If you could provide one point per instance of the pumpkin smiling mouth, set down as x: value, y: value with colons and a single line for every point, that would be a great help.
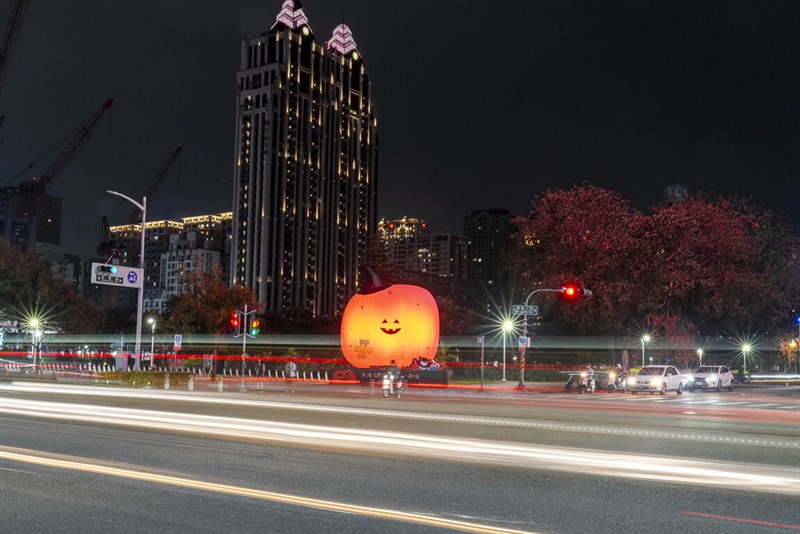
x: 390, y: 331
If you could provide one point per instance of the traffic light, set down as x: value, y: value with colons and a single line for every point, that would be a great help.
x: 106, y: 269
x: 573, y: 292
x: 255, y: 327
x: 235, y: 324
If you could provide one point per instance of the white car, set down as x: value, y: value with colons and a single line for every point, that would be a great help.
x: 712, y: 377
x: 657, y: 379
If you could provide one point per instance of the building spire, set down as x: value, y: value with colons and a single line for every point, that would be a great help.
x: 342, y: 40
x: 291, y: 15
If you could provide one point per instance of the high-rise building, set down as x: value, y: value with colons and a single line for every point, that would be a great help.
x: 172, y: 249
x: 489, y: 233
x: 413, y: 249
x: 306, y: 169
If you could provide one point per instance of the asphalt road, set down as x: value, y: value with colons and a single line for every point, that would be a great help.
x: 341, y: 460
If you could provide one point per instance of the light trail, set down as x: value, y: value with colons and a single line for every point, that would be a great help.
x: 736, y: 476
x: 204, y: 398
x: 135, y: 473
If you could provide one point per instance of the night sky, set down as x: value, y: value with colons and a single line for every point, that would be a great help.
x: 480, y: 104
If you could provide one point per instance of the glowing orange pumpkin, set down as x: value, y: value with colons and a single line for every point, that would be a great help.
x: 398, y: 322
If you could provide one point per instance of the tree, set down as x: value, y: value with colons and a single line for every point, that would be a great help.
x: 714, y: 266
x: 206, y: 304
x: 701, y: 264
x: 585, y: 235
x: 28, y: 288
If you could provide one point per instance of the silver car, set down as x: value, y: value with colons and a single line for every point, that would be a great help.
x: 712, y: 377
x: 657, y: 379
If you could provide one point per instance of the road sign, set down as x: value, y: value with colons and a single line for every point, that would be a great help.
x: 116, y: 275
x: 522, y: 309
x: 524, y: 341
x: 177, y: 345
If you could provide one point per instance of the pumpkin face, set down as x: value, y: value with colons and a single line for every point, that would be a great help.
x: 399, y: 322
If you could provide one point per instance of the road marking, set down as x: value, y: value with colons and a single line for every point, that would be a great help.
x: 768, y: 404
x: 730, y: 403
x: 740, y: 520
x: 135, y: 473
x: 788, y: 407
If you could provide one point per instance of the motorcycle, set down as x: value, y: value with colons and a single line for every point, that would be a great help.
x: 393, y: 385
x: 586, y: 383
x: 617, y: 382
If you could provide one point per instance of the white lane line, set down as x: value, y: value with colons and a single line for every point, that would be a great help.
x: 762, y: 405
x: 795, y: 407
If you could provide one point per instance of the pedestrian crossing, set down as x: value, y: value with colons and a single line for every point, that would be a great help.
x: 686, y: 400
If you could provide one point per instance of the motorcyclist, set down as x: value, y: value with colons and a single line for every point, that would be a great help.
x: 589, y: 377
x: 619, y: 376
x: 394, y: 372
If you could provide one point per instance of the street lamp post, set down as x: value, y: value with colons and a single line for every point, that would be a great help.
x: 140, y: 305
x: 508, y: 325
x: 481, y: 341
x: 700, y: 355
x: 645, y: 339
x: 745, y: 351
x: 33, y: 324
x: 152, y: 321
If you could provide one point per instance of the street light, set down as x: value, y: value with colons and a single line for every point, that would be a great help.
x: 152, y: 322
x: 700, y: 355
x: 33, y: 324
x: 143, y: 208
x: 508, y: 326
x: 746, y: 348
x: 645, y: 339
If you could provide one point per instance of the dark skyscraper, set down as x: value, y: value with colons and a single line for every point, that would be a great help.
x: 305, y: 187
x: 489, y: 232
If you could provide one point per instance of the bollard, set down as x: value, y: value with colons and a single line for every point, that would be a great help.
x: 166, y: 381
x: 191, y: 383
x: 219, y: 384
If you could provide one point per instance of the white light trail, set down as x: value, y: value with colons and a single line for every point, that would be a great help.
x: 738, y: 476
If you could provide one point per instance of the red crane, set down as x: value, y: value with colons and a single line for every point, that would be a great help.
x: 9, y: 34
x: 41, y: 183
x: 156, y: 182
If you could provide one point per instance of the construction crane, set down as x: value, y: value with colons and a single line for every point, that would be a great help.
x: 41, y: 183
x: 156, y: 182
x: 9, y: 34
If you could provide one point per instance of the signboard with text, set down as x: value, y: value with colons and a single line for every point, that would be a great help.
x: 523, y: 309
x: 116, y: 275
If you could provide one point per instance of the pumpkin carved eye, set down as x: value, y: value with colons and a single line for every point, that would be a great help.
x: 390, y: 331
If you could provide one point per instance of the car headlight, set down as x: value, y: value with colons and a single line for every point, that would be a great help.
x: 631, y: 381
x: 712, y: 378
x: 656, y: 381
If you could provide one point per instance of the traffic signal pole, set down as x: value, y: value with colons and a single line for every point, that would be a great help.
x: 571, y: 291
x: 245, y: 334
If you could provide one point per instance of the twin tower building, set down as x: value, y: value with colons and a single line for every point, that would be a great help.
x: 306, y: 169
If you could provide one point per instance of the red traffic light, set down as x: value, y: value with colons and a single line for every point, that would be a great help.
x: 235, y: 319
x: 573, y: 292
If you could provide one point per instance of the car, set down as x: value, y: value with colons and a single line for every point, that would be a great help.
x: 657, y: 379
x: 712, y: 377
